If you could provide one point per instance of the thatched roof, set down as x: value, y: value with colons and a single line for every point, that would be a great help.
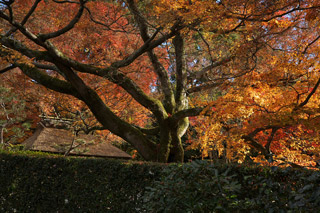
x: 59, y: 141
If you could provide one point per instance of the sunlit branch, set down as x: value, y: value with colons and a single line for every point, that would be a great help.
x: 203, y: 87
x: 7, y: 69
x: 92, y: 129
x: 187, y: 113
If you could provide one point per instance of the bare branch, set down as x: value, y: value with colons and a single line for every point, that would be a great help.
x: 309, y: 96
x: 257, y: 130
x: 249, y: 138
x: 67, y: 1
x: 32, y: 9
x: 305, y: 49
x: 8, y: 6
x: 148, y: 45
x: 108, y: 26
x: 253, y: 17
x: 68, y: 27
x: 274, y: 130
x: 49, y: 67
x: 214, y: 64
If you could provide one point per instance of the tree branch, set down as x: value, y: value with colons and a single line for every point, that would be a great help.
x: 306, y: 48
x: 68, y: 27
x: 19, y: 47
x: 187, y: 113
x: 274, y: 130
x: 25, y: 19
x: 159, y: 69
x: 248, y: 18
x: 149, y: 131
x: 181, y: 76
x: 48, y: 81
x: 256, y: 145
x: 214, y: 64
x: 7, y: 69
x: 203, y: 87
x: 48, y: 67
x: 106, y: 117
x: 53, y: 55
x: 309, y: 96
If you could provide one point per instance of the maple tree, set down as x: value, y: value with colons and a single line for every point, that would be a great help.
x: 274, y: 108
x: 144, y: 67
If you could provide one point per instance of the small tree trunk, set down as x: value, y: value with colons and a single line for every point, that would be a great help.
x: 1, y: 135
x: 71, y: 146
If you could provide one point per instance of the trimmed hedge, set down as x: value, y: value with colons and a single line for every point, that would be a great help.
x: 45, y: 183
x: 57, y: 184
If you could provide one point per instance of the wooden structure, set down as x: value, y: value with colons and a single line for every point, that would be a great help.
x: 63, y: 141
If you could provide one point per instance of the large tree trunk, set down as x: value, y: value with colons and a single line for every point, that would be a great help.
x: 170, y: 110
x: 177, y: 150
x: 170, y: 147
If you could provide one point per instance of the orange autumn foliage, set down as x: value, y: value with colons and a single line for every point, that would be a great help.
x: 247, y: 70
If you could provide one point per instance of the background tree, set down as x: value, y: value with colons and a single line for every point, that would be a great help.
x: 155, y: 54
x: 13, y: 118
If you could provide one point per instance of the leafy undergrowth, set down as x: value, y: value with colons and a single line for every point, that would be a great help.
x: 201, y: 186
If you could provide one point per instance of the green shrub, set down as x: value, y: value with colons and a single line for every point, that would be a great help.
x: 280, y: 190
x: 204, y: 187
x: 194, y: 187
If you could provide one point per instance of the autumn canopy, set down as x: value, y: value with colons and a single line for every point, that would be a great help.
x: 238, y: 77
